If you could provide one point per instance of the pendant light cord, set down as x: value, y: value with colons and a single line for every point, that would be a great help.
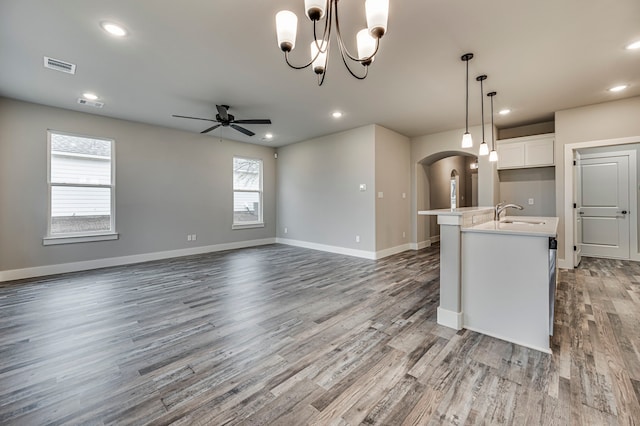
x: 482, y: 107
x: 467, y: 101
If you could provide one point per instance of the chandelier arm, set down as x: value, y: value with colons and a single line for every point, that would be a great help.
x: 346, y: 64
x: 296, y: 67
x: 343, y: 47
x: 326, y: 35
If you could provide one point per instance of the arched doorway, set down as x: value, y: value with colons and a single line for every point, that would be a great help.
x: 447, y: 178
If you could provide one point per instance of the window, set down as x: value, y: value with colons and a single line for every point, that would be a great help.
x: 81, y: 189
x: 247, y: 193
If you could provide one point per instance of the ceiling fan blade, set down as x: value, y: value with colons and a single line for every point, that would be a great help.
x: 257, y: 121
x: 222, y: 110
x: 243, y: 130
x: 211, y: 128
x: 195, y: 118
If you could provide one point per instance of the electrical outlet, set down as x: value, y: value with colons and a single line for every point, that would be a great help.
x: 404, y: 234
x: 193, y: 237
x: 380, y: 195
x: 189, y: 237
x: 363, y: 187
x: 357, y: 238
x: 530, y: 201
x: 404, y: 195
x: 286, y: 230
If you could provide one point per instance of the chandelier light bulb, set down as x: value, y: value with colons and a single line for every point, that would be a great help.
x: 366, y: 46
x: 315, y: 9
x: 286, y: 29
x: 377, y: 16
x: 318, y: 58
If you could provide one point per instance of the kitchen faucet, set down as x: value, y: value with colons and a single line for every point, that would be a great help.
x: 500, y: 207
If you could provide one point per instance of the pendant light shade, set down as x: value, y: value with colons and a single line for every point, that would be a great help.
x: 467, y: 140
x: 377, y: 16
x: 493, y: 155
x: 318, y: 58
x: 484, y: 149
x: 366, y: 45
x: 287, y: 27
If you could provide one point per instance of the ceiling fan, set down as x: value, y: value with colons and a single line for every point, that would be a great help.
x: 224, y: 119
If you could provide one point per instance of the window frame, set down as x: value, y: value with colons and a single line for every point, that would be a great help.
x: 83, y: 236
x: 260, y: 191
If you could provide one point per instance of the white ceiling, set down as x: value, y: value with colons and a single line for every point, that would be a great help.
x: 184, y: 57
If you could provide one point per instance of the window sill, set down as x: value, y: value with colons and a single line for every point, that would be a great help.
x: 247, y: 226
x: 50, y: 241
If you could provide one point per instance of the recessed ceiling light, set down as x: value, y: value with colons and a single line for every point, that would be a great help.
x: 268, y: 136
x: 90, y: 96
x: 337, y: 114
x: 113, y: 29
x: 619, y: 88
x: 504, y: 111
x: 633, y: 46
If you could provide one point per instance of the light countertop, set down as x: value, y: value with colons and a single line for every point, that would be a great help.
x: 548, y: 227
x: 453, y: 212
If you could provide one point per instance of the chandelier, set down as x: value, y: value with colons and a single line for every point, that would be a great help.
x: 367, y: 39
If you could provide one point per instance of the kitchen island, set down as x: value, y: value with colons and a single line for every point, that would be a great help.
x: 495, y: 275
x: 506, y: 279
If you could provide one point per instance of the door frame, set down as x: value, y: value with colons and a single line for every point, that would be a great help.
x: 569, y: 188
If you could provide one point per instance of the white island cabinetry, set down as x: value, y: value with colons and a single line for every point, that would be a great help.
x: 505, y: 280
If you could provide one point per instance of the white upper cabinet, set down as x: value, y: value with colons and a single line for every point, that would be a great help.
x: 528, y: 151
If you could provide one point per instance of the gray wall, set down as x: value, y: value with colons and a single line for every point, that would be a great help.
x: 610, y: 120
x: 319, y: 200
x: 429, y: 148
x: 169, y: 184
x: 518, y: 185
x: 439, y: 175
x: 393, y: 178
x: 528, y: 130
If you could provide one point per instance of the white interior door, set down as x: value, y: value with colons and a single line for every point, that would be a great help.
x: 604, y: 194
x: 577, y: 217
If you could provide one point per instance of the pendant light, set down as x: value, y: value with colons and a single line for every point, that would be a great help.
x: 467, y: 141
x: 493, y: 155
x: 484, y: 148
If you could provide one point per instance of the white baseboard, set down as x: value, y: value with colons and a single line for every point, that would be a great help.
x: 392, y: 250
x: 38, y: 271
x: 564, y: 264
x: 435, y: 239
x: 331, y: 249
x: 420, y: 245
x: 449, y: 318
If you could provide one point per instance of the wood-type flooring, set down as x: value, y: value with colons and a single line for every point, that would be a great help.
x: 288, y: 336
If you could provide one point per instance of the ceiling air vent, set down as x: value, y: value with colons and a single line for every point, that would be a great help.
x: 58, y: 65
x: 94, y: 104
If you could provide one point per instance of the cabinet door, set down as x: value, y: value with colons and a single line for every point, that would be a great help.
x: 510, y: 155
x: 538, y: 152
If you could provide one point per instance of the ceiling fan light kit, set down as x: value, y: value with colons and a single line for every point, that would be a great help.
x: 367, y: 40
x: 224, y: 119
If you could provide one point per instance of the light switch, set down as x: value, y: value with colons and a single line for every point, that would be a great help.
x: 380, y: 195
x: 363, y: 187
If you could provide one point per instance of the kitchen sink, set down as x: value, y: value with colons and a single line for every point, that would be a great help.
x: 522, y: 222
